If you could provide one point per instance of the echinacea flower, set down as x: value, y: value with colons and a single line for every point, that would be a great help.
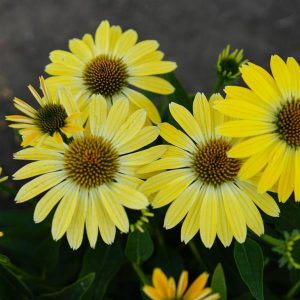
x: 228, y: 64
x: 110, y: 65
x: 55, y: 117
x: 164, y: 288
x: 92, y: 176
x: 268, y: 118
x: 202, y: 182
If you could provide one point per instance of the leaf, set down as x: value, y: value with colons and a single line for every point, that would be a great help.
x: 179, y: 96
x: 139, y: 246
x: 218, y: 283
x: 105, y: 261
x: 11, y: 285
x: 249, y: 261
x: 74, y: 291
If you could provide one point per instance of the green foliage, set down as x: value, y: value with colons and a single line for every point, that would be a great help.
x: 250, y: 262
x: 218, y: 282
x: 139, y: 246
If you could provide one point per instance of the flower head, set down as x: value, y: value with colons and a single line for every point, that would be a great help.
x: 56, y: 117
x: 202, y: 182
x: 268, y: 119
x: 228, y: 64
x: 165, y: 288
x: 108, y: 65
x: 92, y: 176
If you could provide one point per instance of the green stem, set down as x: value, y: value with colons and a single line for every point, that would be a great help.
x: 293, y: 291
x: 140, y: 273
x: 218, y: 85
x: 196, y: 254
x: 272, y: 241
x: 8, y: 189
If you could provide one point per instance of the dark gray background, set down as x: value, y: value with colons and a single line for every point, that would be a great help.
x: 191, y: 32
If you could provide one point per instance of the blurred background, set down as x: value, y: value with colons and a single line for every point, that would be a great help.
x: 192, y: 33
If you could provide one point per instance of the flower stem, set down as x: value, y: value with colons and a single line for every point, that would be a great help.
x: 293, y: 291
x: 140, y: 273
x: 218, y: 85
x: 272, y: 241
x: 196, y: 254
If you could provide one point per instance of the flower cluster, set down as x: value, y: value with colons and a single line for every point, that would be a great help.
x: 95, y: 153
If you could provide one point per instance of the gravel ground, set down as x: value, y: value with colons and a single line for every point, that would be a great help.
x: 190, y: 32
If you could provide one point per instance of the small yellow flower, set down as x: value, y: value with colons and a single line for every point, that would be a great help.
x: 165, y: 288
x: 109, y: 65
x: 143, y: 219
x: 202, y: 182
x: 268, y: 118
x: 229, y: 63
x: 55, y: 117
x: 92, y: 176
x: 1, y: 234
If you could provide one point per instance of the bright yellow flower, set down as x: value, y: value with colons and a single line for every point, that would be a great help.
x: 202, y: 182
x: 55, y: 117
x: 2, y: 179
x: 268, y: 114
x: 109, y: 65
x: 165, y: 288
x: 92, y: 177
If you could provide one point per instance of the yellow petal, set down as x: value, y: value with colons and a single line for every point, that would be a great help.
x: 253, y: 145
x: 125, y: 42
x: 102, y: 37
x: 278, y: 158
x: 181, y: 205
x: 152, y: 84
x: 172, y: 190
x: 97, y: 114
x: 115, y: 210
x: 39, y: 185
x: 196, y: 287
x: 176, y: 137
x: 294, y: 71
x: 245, y: 128
x: 80, y: 50
x: 49, y: 200
x: 297, y: 175
x: 202, y: 114
x: 143, y: 157
x: 129, y: 197
x: 91, y: 222
x: 106, y: 226
x: 153, y: 68
x: 64, y: 213
x: 142, y: 101
x: 208, y: 217
x: 139, y: 50
x: 75, y: 230
x: 186, y: 120
x: 234, y: 213
x: 286, y: 181
x: 182, y: 284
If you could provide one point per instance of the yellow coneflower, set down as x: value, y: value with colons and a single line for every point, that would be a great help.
x: 92, y: 177
x: 55, y: 117
x: 164, y: 288
x: 202, y: 182
x: 268, y: 116
x: 108, y: 65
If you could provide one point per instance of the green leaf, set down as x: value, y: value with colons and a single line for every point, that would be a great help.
x: 139, y: 246
x: 249, y: 260
x: 11, y: 285
x: 179, y: 96
x: 74, y: 291
x: 105, y: 261
x: 218, y: 283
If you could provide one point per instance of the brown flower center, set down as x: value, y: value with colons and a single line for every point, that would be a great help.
x: 91, y: 161
x: 213, y: 166
x: 105, y: 75
x: 51, y: 118
x: 288, y: 123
